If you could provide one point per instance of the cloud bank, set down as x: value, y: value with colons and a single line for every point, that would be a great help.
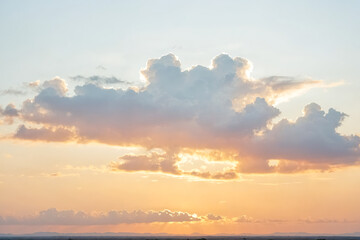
x: 219, y: 109
x: 69, y: 217
x: 55, y: 217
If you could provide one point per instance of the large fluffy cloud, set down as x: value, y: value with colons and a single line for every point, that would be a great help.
x: 310, y: 142
x: 221, y: 108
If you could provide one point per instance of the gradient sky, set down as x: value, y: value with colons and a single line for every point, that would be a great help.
x: 179, y: 117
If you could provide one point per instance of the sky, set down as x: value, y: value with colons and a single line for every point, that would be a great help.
x: 178, y: 117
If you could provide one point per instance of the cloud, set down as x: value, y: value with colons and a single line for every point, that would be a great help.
x: 311, y: 220
x: 244, y: 219
x: 173, y: 107
x: 154, y: 162
x: 101, y: 67
x: 21, y: 90
x: 56, y: 86
x: 226, y: 175
x: 10, y: 111
x: 221, y: 108
x: 56, y: 217
x: 99, y: 80
x: 310, y: 142
x: 58, y: 134
x: 166, y: 163
x: 69, y: 217
x: 213, y: 217
x: 12, y: 92
x: 248, y: 219
x: 34, y: 84
x: 282, y: 88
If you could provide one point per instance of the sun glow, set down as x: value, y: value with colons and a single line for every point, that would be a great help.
x: 204, y: 162
x: 273, y: 162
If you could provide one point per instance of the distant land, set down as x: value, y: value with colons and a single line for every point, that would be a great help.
x: 193, y: 236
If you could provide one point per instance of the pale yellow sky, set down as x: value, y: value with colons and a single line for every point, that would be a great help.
x: 76, y: 177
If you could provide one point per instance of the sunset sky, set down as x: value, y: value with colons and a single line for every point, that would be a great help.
x: 179, y: 117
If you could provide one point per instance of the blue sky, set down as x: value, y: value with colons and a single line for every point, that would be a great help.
x: 281, y: 37
x: 42, y: 39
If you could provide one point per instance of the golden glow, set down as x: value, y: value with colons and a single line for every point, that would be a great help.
x: 203, y: 162
x: 77, y: 172
x: 273, y: 162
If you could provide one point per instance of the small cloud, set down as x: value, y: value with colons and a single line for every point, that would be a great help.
x: 56, y: 84
x: 214, y: 217
x: 96, y: 79
x: 12, y: 92
x: 227, y: 175
x: 101, y: 67
x: 59, y: 134
x: 153, y: 162
x: 58, y: 174
x: 10, y: 111
x: 311, y: 220
x: 244, y: 219
x: 247, y: 219
x: 34, y: 84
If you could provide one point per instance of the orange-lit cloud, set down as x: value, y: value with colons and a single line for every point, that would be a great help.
x: 165, y: 163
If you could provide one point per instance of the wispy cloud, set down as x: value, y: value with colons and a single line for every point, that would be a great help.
x: 12, y: 92
x: 311, y: 220
x: 99, y: 80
